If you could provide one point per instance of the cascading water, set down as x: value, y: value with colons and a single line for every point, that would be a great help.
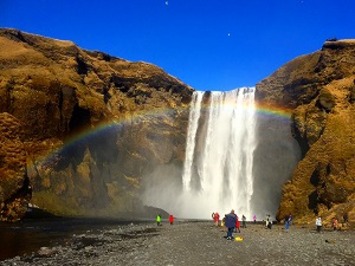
x: 221, y: 139
x: 237, y: 157
x: 191, y: 134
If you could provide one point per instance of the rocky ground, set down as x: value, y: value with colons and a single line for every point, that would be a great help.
x: 197, y: 243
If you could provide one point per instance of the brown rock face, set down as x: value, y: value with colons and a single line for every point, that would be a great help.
x: 15, y: 191
x: 57, y: 91
x: 81, y: 131
x: 319, y: 89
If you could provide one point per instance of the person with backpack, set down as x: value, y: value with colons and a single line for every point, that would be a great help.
x: 231, y: 220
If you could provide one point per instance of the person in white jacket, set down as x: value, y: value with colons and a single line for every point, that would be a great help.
x: 319, y: 224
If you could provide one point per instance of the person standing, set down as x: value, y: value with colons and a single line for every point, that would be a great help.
x: 244, y: 220
x: 267, y: 221
x: 254, y: 218
x: 237, y: 225
x: 158, y: 220
x: 215, y: 217
x: 223, y: 222
x: 335, y: 223
x: 287, y: 222
x: 319, y: 224
x: 231, y: 220
x: 171, y: 219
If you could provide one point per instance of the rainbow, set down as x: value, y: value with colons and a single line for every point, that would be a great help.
x: 263, y: 110
x: 104, y: 127
x: 274, y: 111
x: 266, y: 110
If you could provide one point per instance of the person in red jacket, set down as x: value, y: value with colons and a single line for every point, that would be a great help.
x: 215, y: 217
x: 237, y: 225
x: 171, y: 219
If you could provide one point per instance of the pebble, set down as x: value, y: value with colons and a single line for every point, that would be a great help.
x: 196, y: 243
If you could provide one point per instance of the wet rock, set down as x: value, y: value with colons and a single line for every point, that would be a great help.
x: 46, y: 251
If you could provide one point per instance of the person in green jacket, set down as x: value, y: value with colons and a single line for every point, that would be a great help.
x: 158, y: 220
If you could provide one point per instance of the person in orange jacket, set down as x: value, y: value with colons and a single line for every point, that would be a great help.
x: 171, y: 219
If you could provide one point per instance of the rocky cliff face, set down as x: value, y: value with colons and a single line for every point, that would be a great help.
x: 81, y: 131
x: 52, y: 91
x: 319, y: 89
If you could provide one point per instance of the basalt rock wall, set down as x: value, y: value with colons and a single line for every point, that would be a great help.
x: 319, y: 89
x: 80, y: 129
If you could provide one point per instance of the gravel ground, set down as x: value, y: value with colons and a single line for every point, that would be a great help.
x: 197, y: 243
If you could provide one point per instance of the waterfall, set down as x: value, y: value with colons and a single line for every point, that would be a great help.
x: 221, y: 139
x: 191, y: 135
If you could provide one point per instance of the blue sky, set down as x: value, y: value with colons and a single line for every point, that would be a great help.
x: 208, y: 44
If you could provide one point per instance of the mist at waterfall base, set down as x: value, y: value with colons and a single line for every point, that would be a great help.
x: 236, y: 158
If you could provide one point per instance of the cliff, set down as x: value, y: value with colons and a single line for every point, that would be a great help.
x: 82, y: 132
x: 51, y: 92
x: 320, y: 90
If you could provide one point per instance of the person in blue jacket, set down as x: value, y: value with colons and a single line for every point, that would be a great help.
x: 231, y: 219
